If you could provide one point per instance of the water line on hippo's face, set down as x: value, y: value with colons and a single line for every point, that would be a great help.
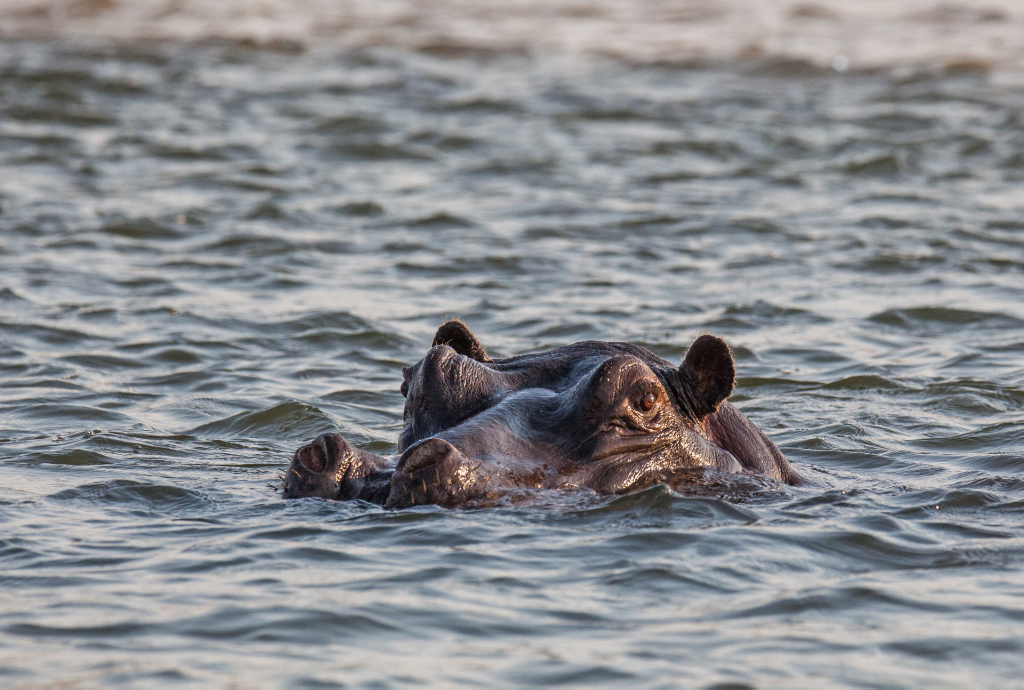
x: 657, y: 463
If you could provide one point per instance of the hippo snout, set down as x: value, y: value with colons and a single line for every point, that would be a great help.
x: 316, y: 468
x: 331, y: 467
x: 435, y: 471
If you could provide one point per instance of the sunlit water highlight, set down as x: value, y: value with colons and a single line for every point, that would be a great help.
x: 210, y: 253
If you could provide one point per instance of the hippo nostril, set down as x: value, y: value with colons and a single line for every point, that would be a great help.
x: 319, y: 455
x: 312, y: 458
x: 425, y: 454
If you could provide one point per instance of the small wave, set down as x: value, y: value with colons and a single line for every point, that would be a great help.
x: 932, y: 503
x: 128, y: 491
x: 83, y: 632
x: 51, y: 335
x: 277, y: 624
x: 865, y: 382
x: 1004, y: 436
x: 348, y: 125
x: 252, y: 245
x: 930, y: 318
x: 761, y: 312
x: 286, y: 420
x: 833, y: 600
x: 86, y: 415
x: 360, y: 208
x: 441, y: 219
x: 373, y: 151
x: 9, y: 295
x: 141, y: 229
x: 102, y: 362
x: 70, y: 456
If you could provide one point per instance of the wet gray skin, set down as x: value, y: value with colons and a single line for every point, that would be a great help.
x: 611, y: 417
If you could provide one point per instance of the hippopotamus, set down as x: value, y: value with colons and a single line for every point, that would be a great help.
x: 606, y: 416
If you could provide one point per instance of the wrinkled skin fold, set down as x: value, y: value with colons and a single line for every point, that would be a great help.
x: 611, y: 417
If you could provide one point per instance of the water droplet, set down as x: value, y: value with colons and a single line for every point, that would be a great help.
x: 840, y: 63
x: 182, y: 219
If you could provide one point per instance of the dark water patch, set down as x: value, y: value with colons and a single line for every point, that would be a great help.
x: 80, y: 632
x: 334, y: 248
x: 281, y: 624
x: 133, y: 493
x: 141, y: 229
x: 133, y: 443
x: 317, y: 373
x: 360, y: 397
x: 875, y: 165
x: 50, y: 335
x: 205, y: 565
x: 970, y: 397
x: 865, y: 383
x: 71, y: 413
x: 347, y: 125
x: 286, y: 420
x: 9, y: 295
x: 103, y: 362
x: 320, y: 321
x: 761, y: 312
x: 1008, y: 460
x: 661, y: 579
x: 937, y: 649
x: 175, y: 355
x: 332, y: 340
x: 580, y: 675
x: 360, y: 208
x: 1004, y: 437
x: 923, y: 503
x: 69, y: 456
x: 459, y: 266
x: 318, y: 555
x: 931, y: 318
x: 439, y: 220
x: 834, y: 600
x: 62, y: 114
x: 253, y: 246
x: 772, y: 382
x: 197, y: 381
x: 44, y: 383
x: 480, y: 104
x: 268, y: 210
x: 298, y: 532
x: 374, y: 151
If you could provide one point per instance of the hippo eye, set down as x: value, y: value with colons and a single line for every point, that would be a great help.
x: 404, y: 388
x: 646, y: 402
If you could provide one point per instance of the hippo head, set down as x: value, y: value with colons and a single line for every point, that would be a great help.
x: 612, y: 417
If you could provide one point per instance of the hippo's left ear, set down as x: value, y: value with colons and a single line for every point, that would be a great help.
x: 709, y: 373
x: 458, y: 337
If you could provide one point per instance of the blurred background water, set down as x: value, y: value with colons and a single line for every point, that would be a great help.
x: 225, y: 227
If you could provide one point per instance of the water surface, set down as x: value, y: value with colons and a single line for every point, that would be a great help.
x: 211, y: 252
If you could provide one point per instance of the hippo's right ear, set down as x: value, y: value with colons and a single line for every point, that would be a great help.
x: 709, y: 373
x: 458, y: 337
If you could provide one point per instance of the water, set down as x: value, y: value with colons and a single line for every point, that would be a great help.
x: 212, y: 251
